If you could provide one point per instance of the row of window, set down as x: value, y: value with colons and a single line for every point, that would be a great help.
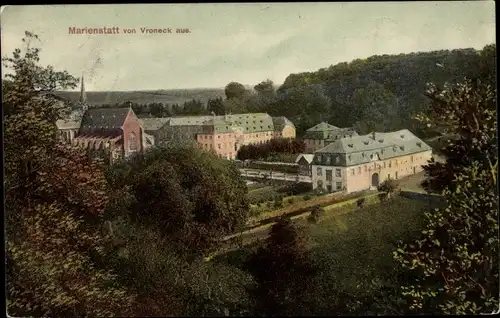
x: 338, y: 173
x: 338, y: 186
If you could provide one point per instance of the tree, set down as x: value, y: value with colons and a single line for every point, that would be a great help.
x: 266, y: 89
x: 235, y: 90
x: 465, y: 115
x: 283, y: 271
x: 456, y: 257
x: 388, y: 186
x: 216, y: 106
x: 193, y: 197
x: 54, y: 200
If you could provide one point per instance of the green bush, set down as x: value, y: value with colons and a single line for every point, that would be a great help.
x: 361, y: 203
x: 278, y: 204
x: 307, y: 197
x: 290, y: 200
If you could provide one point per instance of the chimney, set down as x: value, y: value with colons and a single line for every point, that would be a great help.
x: 373, y: 135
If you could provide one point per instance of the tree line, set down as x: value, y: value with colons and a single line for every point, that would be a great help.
x: 86, y: 239
x: 380, y: 93
x: 271, y: 149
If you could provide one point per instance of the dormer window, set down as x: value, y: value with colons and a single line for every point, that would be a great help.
x: 381, y: 140
x: 350, y: 145
x: 419, y: 144
x: 366, y: 142
x: 402, y: 136
x: 402, y: 147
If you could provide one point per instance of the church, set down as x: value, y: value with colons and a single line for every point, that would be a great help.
x: 107, y: 132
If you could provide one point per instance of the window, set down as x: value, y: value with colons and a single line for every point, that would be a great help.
x: 328, y: 160
x: 132, y: 143
x: 329, y: 188
x: 328, y: 175
x: 339, y: 186
x: 384, y: 164
x: 353, y: 172
x: 366, y: 168
x: 390, y: 164
x: 218, y: 145
x: 319, y: 172
x: 320, y: 184
x: 337, y: 173
x: 389, y: 176
x: 411, y: 158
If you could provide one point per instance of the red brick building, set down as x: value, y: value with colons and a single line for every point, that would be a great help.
x: 105, y: 132
x: 111, y: 131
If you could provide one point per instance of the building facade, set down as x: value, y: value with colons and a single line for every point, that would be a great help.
x: 305, y: 164
x: 224, y: 135
x: 323, y: 134
x: 360, y: 163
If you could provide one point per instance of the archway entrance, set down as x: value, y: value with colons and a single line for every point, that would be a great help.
x: 375, y: 180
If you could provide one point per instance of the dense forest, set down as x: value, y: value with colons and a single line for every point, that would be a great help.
x: 380, y: 93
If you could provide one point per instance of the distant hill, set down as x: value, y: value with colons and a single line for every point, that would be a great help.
x: 173, y: 96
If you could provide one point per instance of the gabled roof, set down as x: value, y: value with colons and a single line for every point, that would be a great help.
x: 281, y: 122
x: 151, y: 124
x: 361, y: 149
x: 325, y: 131
x: 307, y: 156
x: 104, y: 118
x: 323, y: 126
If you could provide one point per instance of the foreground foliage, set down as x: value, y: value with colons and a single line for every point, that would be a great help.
x: 54, y: 201
x: 456, y: 257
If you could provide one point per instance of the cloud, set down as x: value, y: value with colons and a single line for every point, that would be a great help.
x: 238, y: 42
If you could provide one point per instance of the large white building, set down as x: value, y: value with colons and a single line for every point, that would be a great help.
x: 360, y: 163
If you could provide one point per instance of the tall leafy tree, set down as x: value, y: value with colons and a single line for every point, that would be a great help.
x: 455, y: 260
x: 216, y: 106
x: 193, y: 197
x: 283, y: 270
x: 234, y: 90
x: 54, y: 197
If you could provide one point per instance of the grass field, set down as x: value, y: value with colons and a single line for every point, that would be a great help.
x: 356, y: 248
x: 352, y: 249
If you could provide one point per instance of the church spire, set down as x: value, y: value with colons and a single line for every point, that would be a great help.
x: 83, y: 94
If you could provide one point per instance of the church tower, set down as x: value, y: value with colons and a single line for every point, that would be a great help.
x: 83, y: 95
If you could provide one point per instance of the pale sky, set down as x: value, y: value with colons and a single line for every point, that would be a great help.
x: 246, y: 43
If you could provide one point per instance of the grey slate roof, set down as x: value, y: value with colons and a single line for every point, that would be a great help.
x: 251, y: 122
x: 322, y: 127
x: 281, y: 122
x: 152, y: 124
x: 357, y: 150
x: 103, y: 119
x: 307, y: 156
x: 325, y: 131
